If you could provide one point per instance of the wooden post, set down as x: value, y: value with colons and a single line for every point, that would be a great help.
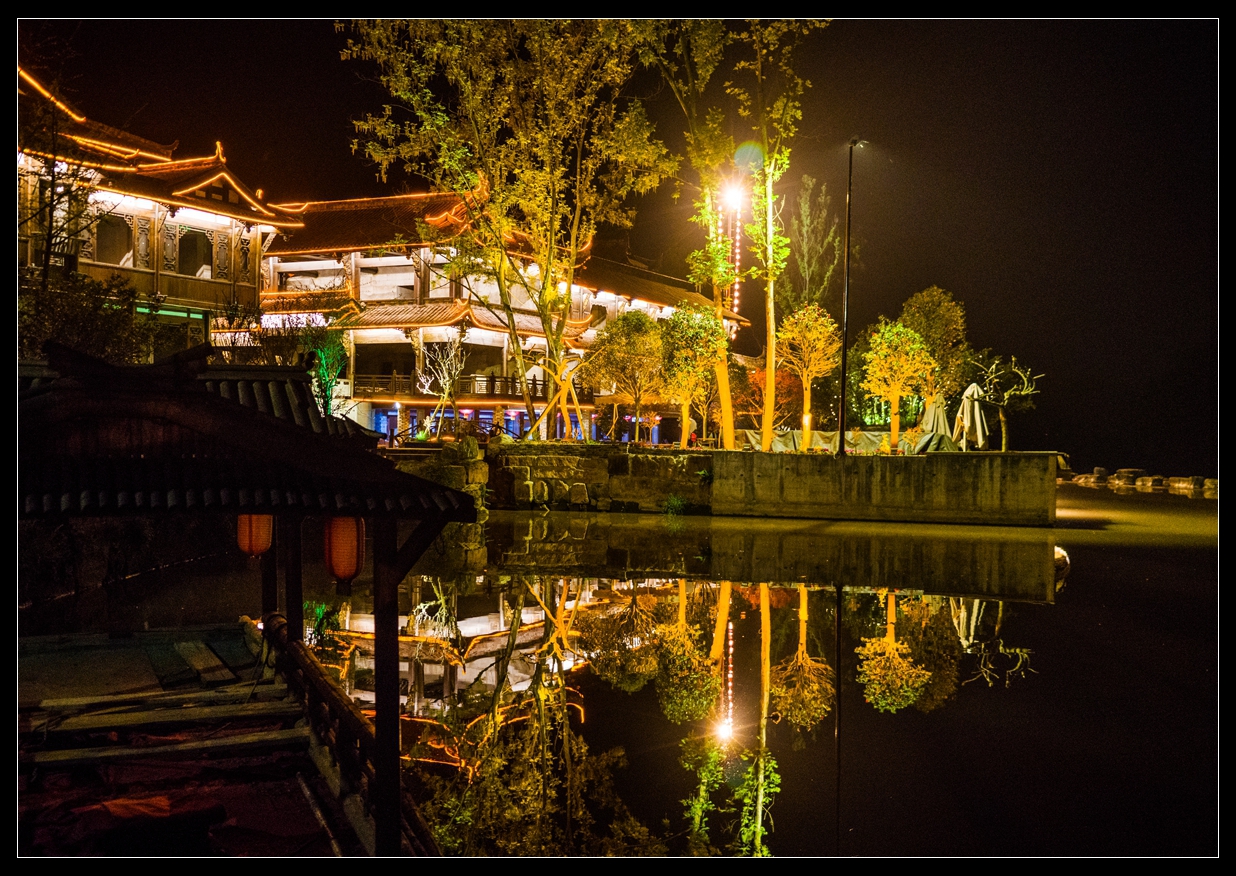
x: 293, y: 589
x: 270, y: 574
x: 385, y: 796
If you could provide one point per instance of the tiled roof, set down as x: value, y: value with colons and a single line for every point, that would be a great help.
x: 365, y: 224
x: 91, y: 136
x: 200, y: 183
x: 630, y: 281
x: 163, y: 439
x: 131, y: 165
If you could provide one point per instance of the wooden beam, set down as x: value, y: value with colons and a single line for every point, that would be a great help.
x: 230, y: 744
x: 293, y: 587
x: 415, y: 545
x: 386, y: 767
x: 245, y: 689
x: 266, y: 711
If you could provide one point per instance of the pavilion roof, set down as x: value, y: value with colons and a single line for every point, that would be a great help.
x: 367, y: 224
x: 633, y: 282
x: 177, y: 437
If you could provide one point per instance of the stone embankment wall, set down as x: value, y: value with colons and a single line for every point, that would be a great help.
x: 1017, y: 489
x: 598, y: 477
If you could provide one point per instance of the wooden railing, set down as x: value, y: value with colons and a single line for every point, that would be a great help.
x: 467, y: 386
x: 344, y: 729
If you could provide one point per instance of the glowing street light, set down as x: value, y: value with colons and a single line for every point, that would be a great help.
x: 733, y: 198
x: 845, y: 300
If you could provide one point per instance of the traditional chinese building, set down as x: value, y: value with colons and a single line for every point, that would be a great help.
x: 185, y: 232
x: 386, y: 264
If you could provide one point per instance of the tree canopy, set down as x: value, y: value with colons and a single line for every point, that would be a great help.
x: 809, y: 346
x: 941, y: 322
x: 626, y: 359
x: 693, y: 339
x: 530, y: 120
x: 897, y: 364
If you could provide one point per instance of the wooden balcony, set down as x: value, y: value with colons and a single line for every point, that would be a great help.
x: 469, y: 389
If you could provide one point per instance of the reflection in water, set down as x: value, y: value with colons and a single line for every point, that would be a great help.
x: 494, y: 722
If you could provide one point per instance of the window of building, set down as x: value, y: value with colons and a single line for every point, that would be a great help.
x: 114, y: 242
x: 194, y: 254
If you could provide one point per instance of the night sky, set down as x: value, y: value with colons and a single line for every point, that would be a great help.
x: 1060, y: 178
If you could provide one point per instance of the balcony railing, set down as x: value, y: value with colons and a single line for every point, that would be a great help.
x: 469, y: 386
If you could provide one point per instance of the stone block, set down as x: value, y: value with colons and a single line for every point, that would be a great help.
x: 619, y: 464
x: 522, y: 492
x: 540, y: 491
x: 478, y: 472
x: 453, y: 476
x: 579, y: 494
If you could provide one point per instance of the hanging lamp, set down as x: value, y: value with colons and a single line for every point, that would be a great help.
x: 253, y: 533
x: 344, y: 545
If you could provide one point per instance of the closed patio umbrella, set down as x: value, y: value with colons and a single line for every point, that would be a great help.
x: 970, y: 430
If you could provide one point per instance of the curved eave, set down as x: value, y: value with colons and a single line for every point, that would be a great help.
x: 215, y: 207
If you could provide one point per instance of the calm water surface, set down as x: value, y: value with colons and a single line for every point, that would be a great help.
x: 1061, y: 717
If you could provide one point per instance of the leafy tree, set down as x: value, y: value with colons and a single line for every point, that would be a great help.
x: 1008, y: 387
x: 692, y: 340
x: 530, y: 119
x: 704, y: 757
x: 891, y: 680
x: 755, y: 795
x: 772, y: 101
x: 897, y: 364
x: 621, y: 644
x: 809, y: 346
x: 98, y: 318
x: 802, y: 686
x: 815, y: 251
x: 928, y: 629
x: 687, y: 54
x: 626, y: 358
x: 330, y: 358
x: 687, y: 685
x: 941, y: 323
x: 789, y: 394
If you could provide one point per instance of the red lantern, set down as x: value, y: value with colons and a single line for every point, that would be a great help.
x: 253, y: 533
x: 345, y: 550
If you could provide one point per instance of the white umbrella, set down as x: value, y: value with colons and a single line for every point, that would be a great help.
x: 970, y: 430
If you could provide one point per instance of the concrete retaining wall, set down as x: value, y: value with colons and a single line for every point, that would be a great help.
x: 1011, y: 489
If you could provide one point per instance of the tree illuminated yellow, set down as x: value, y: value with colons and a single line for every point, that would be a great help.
x: 896, y: 365
x: 809, y: 346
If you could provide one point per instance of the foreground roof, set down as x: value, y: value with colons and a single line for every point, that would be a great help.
x: 100, y: 440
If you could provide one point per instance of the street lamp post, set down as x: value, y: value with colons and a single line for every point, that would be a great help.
x: 845, y: 302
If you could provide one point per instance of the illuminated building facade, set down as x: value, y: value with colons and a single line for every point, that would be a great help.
x: 385, y: 263
x: 185, y: 232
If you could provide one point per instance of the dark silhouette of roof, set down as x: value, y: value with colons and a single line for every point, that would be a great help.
x: 180, y: 437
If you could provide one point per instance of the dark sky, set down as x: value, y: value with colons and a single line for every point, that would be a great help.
x: 1059, y: 178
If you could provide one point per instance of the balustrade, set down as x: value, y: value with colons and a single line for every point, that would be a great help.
x: 467, y: 386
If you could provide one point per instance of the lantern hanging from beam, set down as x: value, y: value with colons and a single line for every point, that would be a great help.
x: 345, y: 550
x: 253, y: 533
